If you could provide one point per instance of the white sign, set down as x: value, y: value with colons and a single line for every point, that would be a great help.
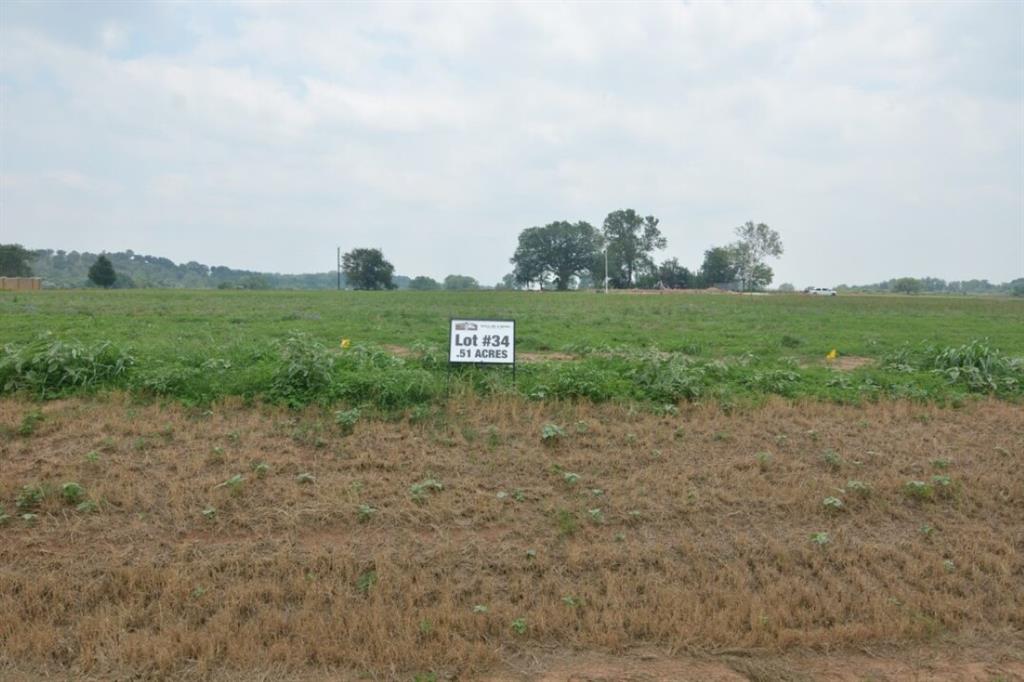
x: 482, y: 341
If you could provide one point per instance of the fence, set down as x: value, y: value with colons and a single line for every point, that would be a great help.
x: 20, y: 283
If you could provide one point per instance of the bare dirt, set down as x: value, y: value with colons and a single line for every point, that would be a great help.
x: 635, y: 547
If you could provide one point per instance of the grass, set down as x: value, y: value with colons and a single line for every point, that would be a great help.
x: 283, y: 347
x: 171, y: 576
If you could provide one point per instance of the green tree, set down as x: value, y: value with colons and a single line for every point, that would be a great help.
x: 14, y: 261
x: 718, y: 267
x: 508, y: 281
x: 906, y: 285
x: 423, y: 283
x: 101, y: 273
x: 1017, y: 287
x: 460, y: 282
x: 630, y: 239
x: 367, y: 269
x: 756, y: 243
x: 672, y: 275
x: 786, y: 288
x: 559, y: 250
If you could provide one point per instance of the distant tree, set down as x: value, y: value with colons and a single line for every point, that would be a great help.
x: 423, y: 283
x: 1017, y: 287
x: 787, y: 288
x: 630, y: 239
x: 508, y: 282
x: 14, y: 261
x: 906, y: 285
x: 460, y: 282
x: 254, y: 283
x: 718, y: 267
x: 559, y: 250
x: 101, y: 273
x: 756, y: 243
x: 672, y: 275
x: 367, y: 269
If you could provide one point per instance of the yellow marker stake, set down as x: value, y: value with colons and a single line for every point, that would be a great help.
x: 831, y: 355
x: 345, y: 343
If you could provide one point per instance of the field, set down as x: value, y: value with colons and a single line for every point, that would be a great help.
x: 283, y: 346
x: 677, y: 487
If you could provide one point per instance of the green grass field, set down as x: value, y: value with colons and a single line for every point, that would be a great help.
x: 200, y: 345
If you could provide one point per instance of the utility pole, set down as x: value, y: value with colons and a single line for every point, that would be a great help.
x: 339, y: 268
x: 606, y: 268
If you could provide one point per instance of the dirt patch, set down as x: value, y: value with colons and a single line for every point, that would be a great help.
x: 848, y: 363
x: 671, y: 535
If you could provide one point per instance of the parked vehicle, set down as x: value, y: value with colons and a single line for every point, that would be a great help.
x: 819, y: 291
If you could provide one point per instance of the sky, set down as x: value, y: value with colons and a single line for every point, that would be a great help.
x: 880, y: 139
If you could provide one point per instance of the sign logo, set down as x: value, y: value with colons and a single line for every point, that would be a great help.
x: 485, y: 342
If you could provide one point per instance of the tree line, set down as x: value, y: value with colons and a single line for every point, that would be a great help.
x: 566, y: 255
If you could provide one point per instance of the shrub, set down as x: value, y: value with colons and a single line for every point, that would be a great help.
x: 305, y: 374
x: 50, y: 368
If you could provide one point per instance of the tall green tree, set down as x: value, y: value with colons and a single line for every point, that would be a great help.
x: 672, y: 275
x: 631, y: 239
x: 101, y: 273
x: 756, y: 243
x: 558, y: 251
x: 718, y: 267
x: 366, y: 269
x: 14, y: 261
x: 906, y: 285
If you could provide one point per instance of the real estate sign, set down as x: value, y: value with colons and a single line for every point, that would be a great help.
x: 482, y: 341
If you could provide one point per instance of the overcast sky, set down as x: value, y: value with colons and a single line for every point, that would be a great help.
x: 880, y: 139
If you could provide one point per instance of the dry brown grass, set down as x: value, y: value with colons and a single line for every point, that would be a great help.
x: 700, y: 548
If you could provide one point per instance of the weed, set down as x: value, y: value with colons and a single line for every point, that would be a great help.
x: 29, y: 518
x: 566, y: 521
x: 788, y: 341
x: 596, y: 515
x: 764, y: 459
x: 72, y: 493
x: 426, y: 627
x: 5, y: 518
x: 365, y: 512
x: 948, y: 565
x: 493, y: 437
x: 941, y: 464
x: 918, y: 490
x: 926, y: 529
x: 209, y: 513
x: 92, y: 457
x: 570, y: 478
x: 944, y: 485
x: 424, y: 677
x: 419, y: 491
x: 501, y: 495
x: 596, y: 492
x: 29, y: 423
x: 346, y: 420
x: 552, y: 433
x: 833, y: 504
x: 233, y: 484
x: 582, y: 427
x: 821, y: 538
x: 87, y: 507
x: 366, y: 581
x: 832, y: 459
x: 519, y: 496
x: 305, y: 478
x: 479, y: 608
x: 30, y: 497
x: 859, y: 488
x: 531, y: 554
x: 50, y: 368
x: 260, y: 469
x: 572, y: 602
x: 519, y: 626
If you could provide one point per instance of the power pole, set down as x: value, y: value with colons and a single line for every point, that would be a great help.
x: 339, y: 268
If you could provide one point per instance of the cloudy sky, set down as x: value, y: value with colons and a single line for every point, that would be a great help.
x: 880, y: 139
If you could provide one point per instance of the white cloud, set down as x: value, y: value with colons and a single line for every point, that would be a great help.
x: 874, y: 136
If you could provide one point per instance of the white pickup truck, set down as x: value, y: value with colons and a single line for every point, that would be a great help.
x: 818, y: 291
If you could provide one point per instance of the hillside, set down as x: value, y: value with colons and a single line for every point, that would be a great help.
x: 69, y: 269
